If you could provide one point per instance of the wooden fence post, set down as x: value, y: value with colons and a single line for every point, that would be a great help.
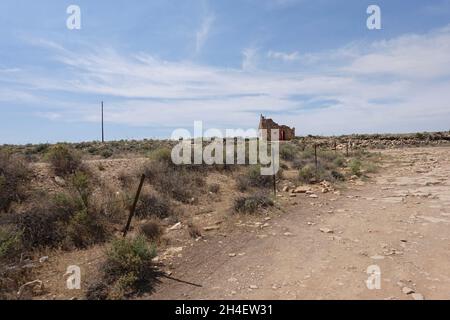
x: 315, y: 159
x: 274, y: 173
x: 133, y: 208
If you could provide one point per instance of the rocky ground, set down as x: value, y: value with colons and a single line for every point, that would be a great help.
x: 320, y: 245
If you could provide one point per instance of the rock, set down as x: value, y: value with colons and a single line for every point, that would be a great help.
x: 292, y: 195
x: 288, y: 234
x: 173, y: 251
x: 354, y: 177
x: 417, y: 296
x: 407, y: 290
x: 326, y: 230
x: 285, y: 189
x: 253, y: 287
x: 232, y: 255
x: 176, y: 226
x: 314, y: 196
x: 43, y: 259
x: 301, y: 189
x: 60, y: 181
x: 211, y: 228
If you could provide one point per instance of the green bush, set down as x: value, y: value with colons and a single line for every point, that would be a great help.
x: 306, y: 173
x: 161, y: 154
x: 63, y: 159
x: 80, y: 181
x: 129, y: 268
x: 288, y: 152
x: 355, y: 167
x: 85, y: 229
x: 10, y: 243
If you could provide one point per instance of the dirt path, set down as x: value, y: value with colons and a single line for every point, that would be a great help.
x: 399, y: 220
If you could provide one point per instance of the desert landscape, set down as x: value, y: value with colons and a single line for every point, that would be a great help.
x: 224, y: 159
x: 220, y: 232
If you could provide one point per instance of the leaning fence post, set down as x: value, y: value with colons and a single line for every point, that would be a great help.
x: 133, y: 207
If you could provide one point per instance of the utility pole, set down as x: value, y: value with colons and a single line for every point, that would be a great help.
x: 103, y: 130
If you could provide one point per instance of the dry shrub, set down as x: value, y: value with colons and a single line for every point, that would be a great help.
x: 14, y: 174
x: 111, y: 205
x: 178, y: 182
x: 63, y: 159
x: 250, y: 204
x: 214, y: 188
x: 60, y: 221
x: 152, y: 230
x: 252, y: 177
x: 151, y: 205
x: 288, y: 152
x: 11, y: 279
x: 194, y: 230
x: 126, y: 179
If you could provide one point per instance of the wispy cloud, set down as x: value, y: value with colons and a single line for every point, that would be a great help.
x: 203, y: 33
x: 249, y: 60
x: 283, y: 55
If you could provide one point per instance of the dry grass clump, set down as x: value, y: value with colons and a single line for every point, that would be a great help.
x: 252, y: 177
x: 251, y: 204
x: 152, y: 230
x: 329, y: 163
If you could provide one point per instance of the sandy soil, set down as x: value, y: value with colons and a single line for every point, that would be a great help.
x: 320, y: 248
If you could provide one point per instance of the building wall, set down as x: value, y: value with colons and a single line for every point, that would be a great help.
x: 285, y: 132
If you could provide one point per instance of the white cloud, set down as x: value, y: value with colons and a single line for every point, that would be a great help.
x: 283, y: 55
x: 203, y: 33
x: 250, y: 57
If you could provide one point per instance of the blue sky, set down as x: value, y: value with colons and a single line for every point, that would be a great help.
x: 161, y: 65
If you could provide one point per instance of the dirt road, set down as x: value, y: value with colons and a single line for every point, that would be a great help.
x: 399, y: 220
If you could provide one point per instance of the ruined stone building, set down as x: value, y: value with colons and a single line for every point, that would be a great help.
x: 285, y: 133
